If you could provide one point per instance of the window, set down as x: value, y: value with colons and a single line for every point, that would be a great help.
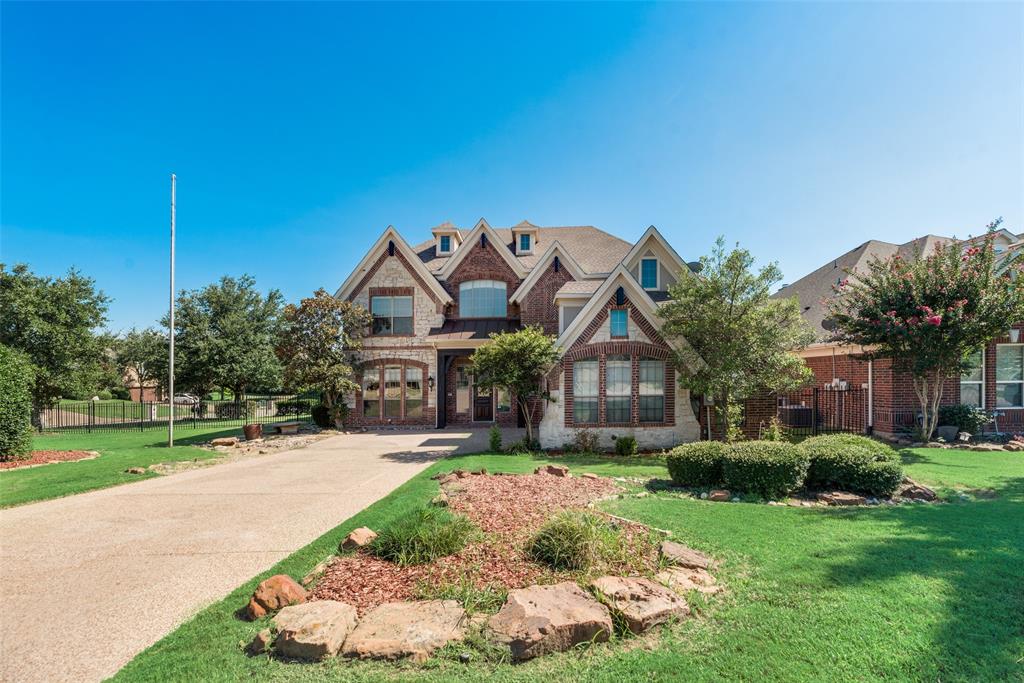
x: 371, y: 393
x: 652, y: 391
x: 462, y: 389
x: 524, y: 243
x: 566, y: 315
x: 620, y: 323
x: 393, y: 391
x: 649, y: 273
x: 413, y: 392
x: 446, y: 244
x: 1009, y: 375
x: 972, y: 382
x: 483, y: 299
x: 618, y: 382
x: 392, y: 315
x: 584, y: 390
x: 503, y: 400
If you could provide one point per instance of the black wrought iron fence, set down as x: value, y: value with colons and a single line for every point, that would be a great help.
x: 823, y: 411
x: 117, y: 415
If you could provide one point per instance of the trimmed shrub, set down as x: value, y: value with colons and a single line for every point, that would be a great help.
x: 495, y: 439
x: 698, y: 463
x: 968, y: 419
x: 574, y: 540
x: 16, y: 378
x: 121, y: 393
x: 104, y: 395
x: 423, y: 535
x: 852, y: 463
x: 583, y: 441
x: 292, y: 407
x: 626, y: 445
x: 770, y: 468
x: 322, y: 416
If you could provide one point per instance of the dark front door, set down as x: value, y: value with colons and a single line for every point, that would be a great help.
x: 483, y: 404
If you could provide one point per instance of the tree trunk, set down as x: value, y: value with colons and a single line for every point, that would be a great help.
x: 528, y: 414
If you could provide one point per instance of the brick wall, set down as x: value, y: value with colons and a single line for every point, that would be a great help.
x: 372, y: 361
x: 539, y: 307
x: 481, y: 263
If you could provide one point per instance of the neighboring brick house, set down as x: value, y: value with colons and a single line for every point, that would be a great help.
x: 997, y: 383
x: 433, y: 304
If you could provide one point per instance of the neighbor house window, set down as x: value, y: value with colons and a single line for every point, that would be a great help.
x: 446, y: 244
x: 618, y: 382
x: 584, y: 391
x: 392, y: 315
x: 483, y: 299
x: 649, y: 273
x: 413, y: 392
x: 1010, y: 375
x: 652, y: 390
x: 620, y: 323
x: 524, y: 243
x: 972, y: 382
x: 371, y: 393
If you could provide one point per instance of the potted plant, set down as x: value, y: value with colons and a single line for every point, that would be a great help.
x: 252, y: 430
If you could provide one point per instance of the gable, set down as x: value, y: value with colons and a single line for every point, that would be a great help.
x: 390, y: 245
x: 481, y: 261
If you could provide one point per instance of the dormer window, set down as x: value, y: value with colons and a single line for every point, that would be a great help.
x: 445, y: 244
x: 525, y: 243
x: 649, y: 273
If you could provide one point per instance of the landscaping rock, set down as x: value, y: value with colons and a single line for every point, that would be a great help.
x: 589, y: 475
x: 1014, y: 446
x: 315, y: 573
x: 911, y: 489
x: 461, y: 474
x: 986, y: 447
x: 313, y: 630
x: 358, y: 538
x: 480, y: 471
x: 642, y: 603
x: 136, y: 470
x: 396, y: 630
x: 273, y: 594
x: 542, y: 619
x: 841, y: 498
x: 448, y: 479
x: 224, y: 441
x: 679, y: 554
x: 720, y: 496
x: 554, y: 470
x: 683, y: 580
x: 259, y: 644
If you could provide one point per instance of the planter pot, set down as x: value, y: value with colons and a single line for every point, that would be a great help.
x: 253, y: 432
x: 948, y: 433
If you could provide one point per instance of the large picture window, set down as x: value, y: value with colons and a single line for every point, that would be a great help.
x: 393, y: 391
x: 618, y: 382
x: 483, y: 299
x: 585, y: 391
x: 652, y: 390
x: 972, y: 382
x: 1010, y: 375
x: 392, y: 315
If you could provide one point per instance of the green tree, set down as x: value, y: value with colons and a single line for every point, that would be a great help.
x: 928, y: 313
x: 16, y: 375
x: 53, y: 321
x: 225, y: 335
x: 736, y: 340
x: 316, y: 346
x: 141, y: 357
x: 517, y: 362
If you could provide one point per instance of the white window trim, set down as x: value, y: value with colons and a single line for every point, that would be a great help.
x: 519, y: 243
x: 1005, y: 381
x: 451, y: 242
x: 657, y: 273
x: 980, y: 383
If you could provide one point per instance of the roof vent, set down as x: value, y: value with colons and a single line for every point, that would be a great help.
x: 483, y: 240
x: 620, y: 296
x: 391, y: 248
x: 556, y: 264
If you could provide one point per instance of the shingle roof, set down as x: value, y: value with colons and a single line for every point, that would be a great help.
x: 595, y: 250
x: 579, y: 287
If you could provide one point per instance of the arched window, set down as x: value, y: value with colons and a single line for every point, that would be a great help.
x: 483, y: 299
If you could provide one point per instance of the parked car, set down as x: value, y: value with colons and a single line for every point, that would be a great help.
x: 186, y: 399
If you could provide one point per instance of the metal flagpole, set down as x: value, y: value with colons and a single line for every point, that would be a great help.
x: 170, y: 377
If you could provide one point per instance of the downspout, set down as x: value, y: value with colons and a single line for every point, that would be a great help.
x: 871, y: 396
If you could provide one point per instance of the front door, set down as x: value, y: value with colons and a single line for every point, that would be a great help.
x: 483, y: 404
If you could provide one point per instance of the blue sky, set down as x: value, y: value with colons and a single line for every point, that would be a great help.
x: 299, y: 132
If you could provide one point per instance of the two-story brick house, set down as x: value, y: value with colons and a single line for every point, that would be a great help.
x: 434, y: 303
x: 996, y: 383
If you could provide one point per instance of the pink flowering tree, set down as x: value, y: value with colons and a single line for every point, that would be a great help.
x: 928, y: 314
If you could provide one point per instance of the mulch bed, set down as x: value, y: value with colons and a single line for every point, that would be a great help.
x: 508, y: 508
x: 47, y: 457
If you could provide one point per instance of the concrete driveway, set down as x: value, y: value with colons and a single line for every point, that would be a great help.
x: 88, y: 581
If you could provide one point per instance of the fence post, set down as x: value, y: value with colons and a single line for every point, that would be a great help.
x: 814, y: 413
x: 92, y: 415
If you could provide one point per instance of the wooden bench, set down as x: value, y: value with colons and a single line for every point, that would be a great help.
x: 285, y: 427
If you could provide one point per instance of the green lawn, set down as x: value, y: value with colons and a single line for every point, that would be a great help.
x: 118, y: 451
x: 908, y: 593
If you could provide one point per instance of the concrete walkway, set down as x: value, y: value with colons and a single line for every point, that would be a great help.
x: 88, y: 581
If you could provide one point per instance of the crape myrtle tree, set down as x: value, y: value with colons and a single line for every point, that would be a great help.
x: 54, y: 322
x: 225, y: 335
x: 735, y: 339
x: 316, y: 345
x: 928, y: 314
x: 517, y: 362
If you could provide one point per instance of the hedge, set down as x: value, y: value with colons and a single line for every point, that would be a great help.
x: 852, y: 463
x: 772, y: 469
x: 16, y: 379
x: 698, y: 463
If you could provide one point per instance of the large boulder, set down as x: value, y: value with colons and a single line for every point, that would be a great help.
x: 553, y: 470
x: 911, y: 489
x: 683, y: 580
x: 641, y: 603
x: 313, y: 630
x: 358, y: 538
x: 542, y: 619
x: 396, y: 630
x: 273, y: 594
x: 841, y: 498
x: 679, y: 555
x: 720, y: 496
x: 224, y: 441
